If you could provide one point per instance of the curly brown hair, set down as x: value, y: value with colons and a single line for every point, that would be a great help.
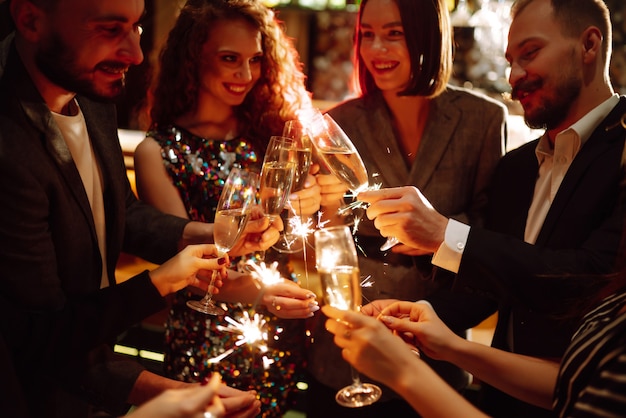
x: 276, y: 97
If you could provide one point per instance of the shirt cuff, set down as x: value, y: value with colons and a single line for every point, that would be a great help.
x: 450, y: 252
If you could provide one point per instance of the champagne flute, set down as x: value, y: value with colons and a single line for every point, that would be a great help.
x: 342, y: 158
x: 338, y: 268
x: 277, y: 176
x: 294, y: 129
x: 231, y: 216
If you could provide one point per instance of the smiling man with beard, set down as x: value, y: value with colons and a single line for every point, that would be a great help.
x: 555, y: 205
x: 68, y: 211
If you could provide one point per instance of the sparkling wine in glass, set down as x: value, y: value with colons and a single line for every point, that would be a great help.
x: 342, y: 158
x: 277, y: 175
x: 294, y: 129
x: 233, y: 211
x: 276, y: 178
x: 338, y: 268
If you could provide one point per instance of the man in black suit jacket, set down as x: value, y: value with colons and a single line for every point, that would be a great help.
x: 554, y: 206
x: 64, y: 220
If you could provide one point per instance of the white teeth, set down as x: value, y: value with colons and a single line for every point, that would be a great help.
x: 384, y: 66
x: 236, y: 89
x: 115, y: 70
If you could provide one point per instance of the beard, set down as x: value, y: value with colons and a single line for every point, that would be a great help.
x: 554, y: 107
x: 59, y: 64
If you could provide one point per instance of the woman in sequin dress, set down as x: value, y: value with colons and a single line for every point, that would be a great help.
x: 229, y: 79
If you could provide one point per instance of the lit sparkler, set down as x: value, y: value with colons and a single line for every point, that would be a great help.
x: 267, y: 276
x: 301, y: 229
x: 321, y: 224
x: 367, y: 281
x: 253, y: 331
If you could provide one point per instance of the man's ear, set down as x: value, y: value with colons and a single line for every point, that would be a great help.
x: 592, y: 43
x: 28, y: 18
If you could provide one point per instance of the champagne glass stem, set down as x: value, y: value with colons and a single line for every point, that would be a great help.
x: 391, y: 242
x: 356, y: 378
x: 208, y: 297
x: 206, y: 304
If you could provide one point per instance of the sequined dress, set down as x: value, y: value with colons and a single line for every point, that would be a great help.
x: 195, y: 345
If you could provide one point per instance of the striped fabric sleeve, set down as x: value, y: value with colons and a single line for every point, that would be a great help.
x: 605, y: 395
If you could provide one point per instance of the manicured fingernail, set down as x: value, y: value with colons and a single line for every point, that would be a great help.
x: 221, y: 261
x: 314, y: 308
x: 310, y: 295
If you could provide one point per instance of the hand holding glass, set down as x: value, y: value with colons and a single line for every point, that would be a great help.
x: 294, y: 129
x: 337, y: 265
x: 276, y: 177
x: 233, y: 211
x: 342, y: 158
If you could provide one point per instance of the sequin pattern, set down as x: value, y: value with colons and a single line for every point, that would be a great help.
x: 198, y: 168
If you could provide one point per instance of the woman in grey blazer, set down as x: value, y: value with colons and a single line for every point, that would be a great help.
x: 411, y: 128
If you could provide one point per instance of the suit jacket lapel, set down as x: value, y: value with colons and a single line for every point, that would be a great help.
x: 443, y: 119
x: 108, y: 154
x: 378, y: 136
x: 378, y: 146
x: 39, y: 114
x: 598, y: 143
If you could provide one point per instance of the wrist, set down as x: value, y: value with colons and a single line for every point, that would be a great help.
x: 197, y: 233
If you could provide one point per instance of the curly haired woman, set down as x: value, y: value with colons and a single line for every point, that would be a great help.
x: 229, y: 79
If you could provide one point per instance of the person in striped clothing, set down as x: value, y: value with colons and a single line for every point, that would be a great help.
x: 590, y: 380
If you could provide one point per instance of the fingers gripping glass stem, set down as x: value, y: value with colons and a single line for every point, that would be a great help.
x: 231, y: 217
x: 337, y: 265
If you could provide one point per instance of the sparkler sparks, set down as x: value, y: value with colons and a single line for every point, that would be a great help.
x: 321, y: 224
x: 358, y: 204
x: 301, y: 229
x: 253, y: 331
x: 268, y: 276
x: 367, y: 282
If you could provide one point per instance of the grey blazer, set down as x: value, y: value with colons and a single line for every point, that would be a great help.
x: 461, y: 145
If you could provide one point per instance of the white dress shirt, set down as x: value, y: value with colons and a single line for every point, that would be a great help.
x: 553, y: 165
x: 75, y: 134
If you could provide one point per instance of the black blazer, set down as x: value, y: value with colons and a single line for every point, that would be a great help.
x: 581, y: 234
x: 528, y: 284
x: 50, y: 262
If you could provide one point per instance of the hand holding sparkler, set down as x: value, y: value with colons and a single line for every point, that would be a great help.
x: 283, y: 298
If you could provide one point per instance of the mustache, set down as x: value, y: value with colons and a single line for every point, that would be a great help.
x: 524, y: 86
